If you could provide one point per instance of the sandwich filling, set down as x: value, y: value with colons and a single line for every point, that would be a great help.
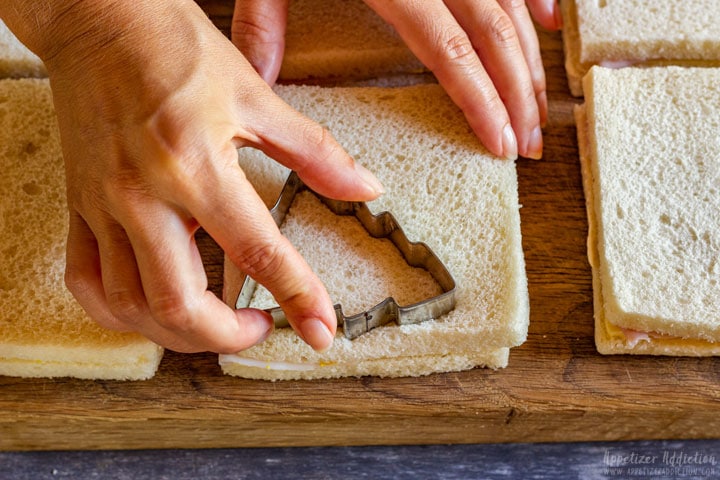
x: 271, y: 365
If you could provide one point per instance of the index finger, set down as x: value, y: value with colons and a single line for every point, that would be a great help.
x: 238, y: 220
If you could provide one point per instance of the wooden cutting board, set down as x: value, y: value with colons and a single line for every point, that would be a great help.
x: 556, y: 388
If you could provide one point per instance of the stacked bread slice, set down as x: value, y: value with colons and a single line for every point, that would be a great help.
x: 638, y: 32
x: 650, y: 153
x: 43, y: 331
x: 445, y: 190
x: 340, y: 40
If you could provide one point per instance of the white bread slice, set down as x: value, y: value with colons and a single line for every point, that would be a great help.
x: 651, y: 165
x: 43, y: 331
x: 444, y: 189
x: 16, y: 60
x: 342, y: 39
x: 638, y: 32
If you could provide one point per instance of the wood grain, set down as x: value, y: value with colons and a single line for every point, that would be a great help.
x: 556, y: 388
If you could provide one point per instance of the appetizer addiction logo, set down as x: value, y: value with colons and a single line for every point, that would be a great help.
x: 663, y: 464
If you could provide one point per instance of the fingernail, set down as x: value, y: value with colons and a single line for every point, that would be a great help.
x: 317, y: 334
x: 370, y: 180
x: 542, y: 107
x: 269, y: 328
x: 535, y: 144
x: 509, y: 141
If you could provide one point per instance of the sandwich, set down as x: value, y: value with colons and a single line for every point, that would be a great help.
x: 43, y: 331
x: 445, y: 190
x: 650, y: 155
x: 343, y: 40
x: 16, y: 60
x: 614, y: 33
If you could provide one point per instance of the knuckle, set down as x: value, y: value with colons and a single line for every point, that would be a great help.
x: 322, y: 144
x: 459, y: 48
x: 317, y: 136
x: 117, y: 187
x: 250, y: 30
x: 174, y: 152
x: 86, y: 197
x: 529, y: 97
x: 181, y: 161
x: 125, y: 306
x: 262, y: 262
x: 173, y: 163
x: 173, y: 312
x: 76, y: 280
x: 501, y: 30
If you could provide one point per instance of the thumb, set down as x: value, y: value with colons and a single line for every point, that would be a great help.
x: 258, y: 31
x: 303, y: 145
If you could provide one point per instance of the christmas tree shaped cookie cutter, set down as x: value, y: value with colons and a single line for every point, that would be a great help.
x: 382, y: 225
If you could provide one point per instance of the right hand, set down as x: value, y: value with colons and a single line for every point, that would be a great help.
x: 152, y: 102
x: 485, y: 53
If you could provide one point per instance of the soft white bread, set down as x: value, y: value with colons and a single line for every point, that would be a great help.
x: 43, y: 331
x: 343, y: 39
x: 651, y: 165
x: 638, y: 32
x: 445, y: 190
x: 15, y: 58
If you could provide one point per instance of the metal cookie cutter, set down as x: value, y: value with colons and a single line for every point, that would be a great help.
x: 383, y: 225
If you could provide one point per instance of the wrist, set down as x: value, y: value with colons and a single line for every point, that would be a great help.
x: 60, y: 30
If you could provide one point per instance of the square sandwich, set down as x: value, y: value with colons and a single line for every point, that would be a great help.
x: 446, y: 191
x: 650, y: 153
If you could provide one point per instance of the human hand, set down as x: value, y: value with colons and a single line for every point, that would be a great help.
x: 485, y: 53
x: 152, y: 102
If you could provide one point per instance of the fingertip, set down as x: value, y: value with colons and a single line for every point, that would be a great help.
x: 316, y: 333
x: 509, y: 143
x: 547, y: 13
x: 372, y: 184
x: 267, y: 64
x: 255, y: 327
x: 313, y: 318
x: 258, y: 31
x: 534, y: 147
